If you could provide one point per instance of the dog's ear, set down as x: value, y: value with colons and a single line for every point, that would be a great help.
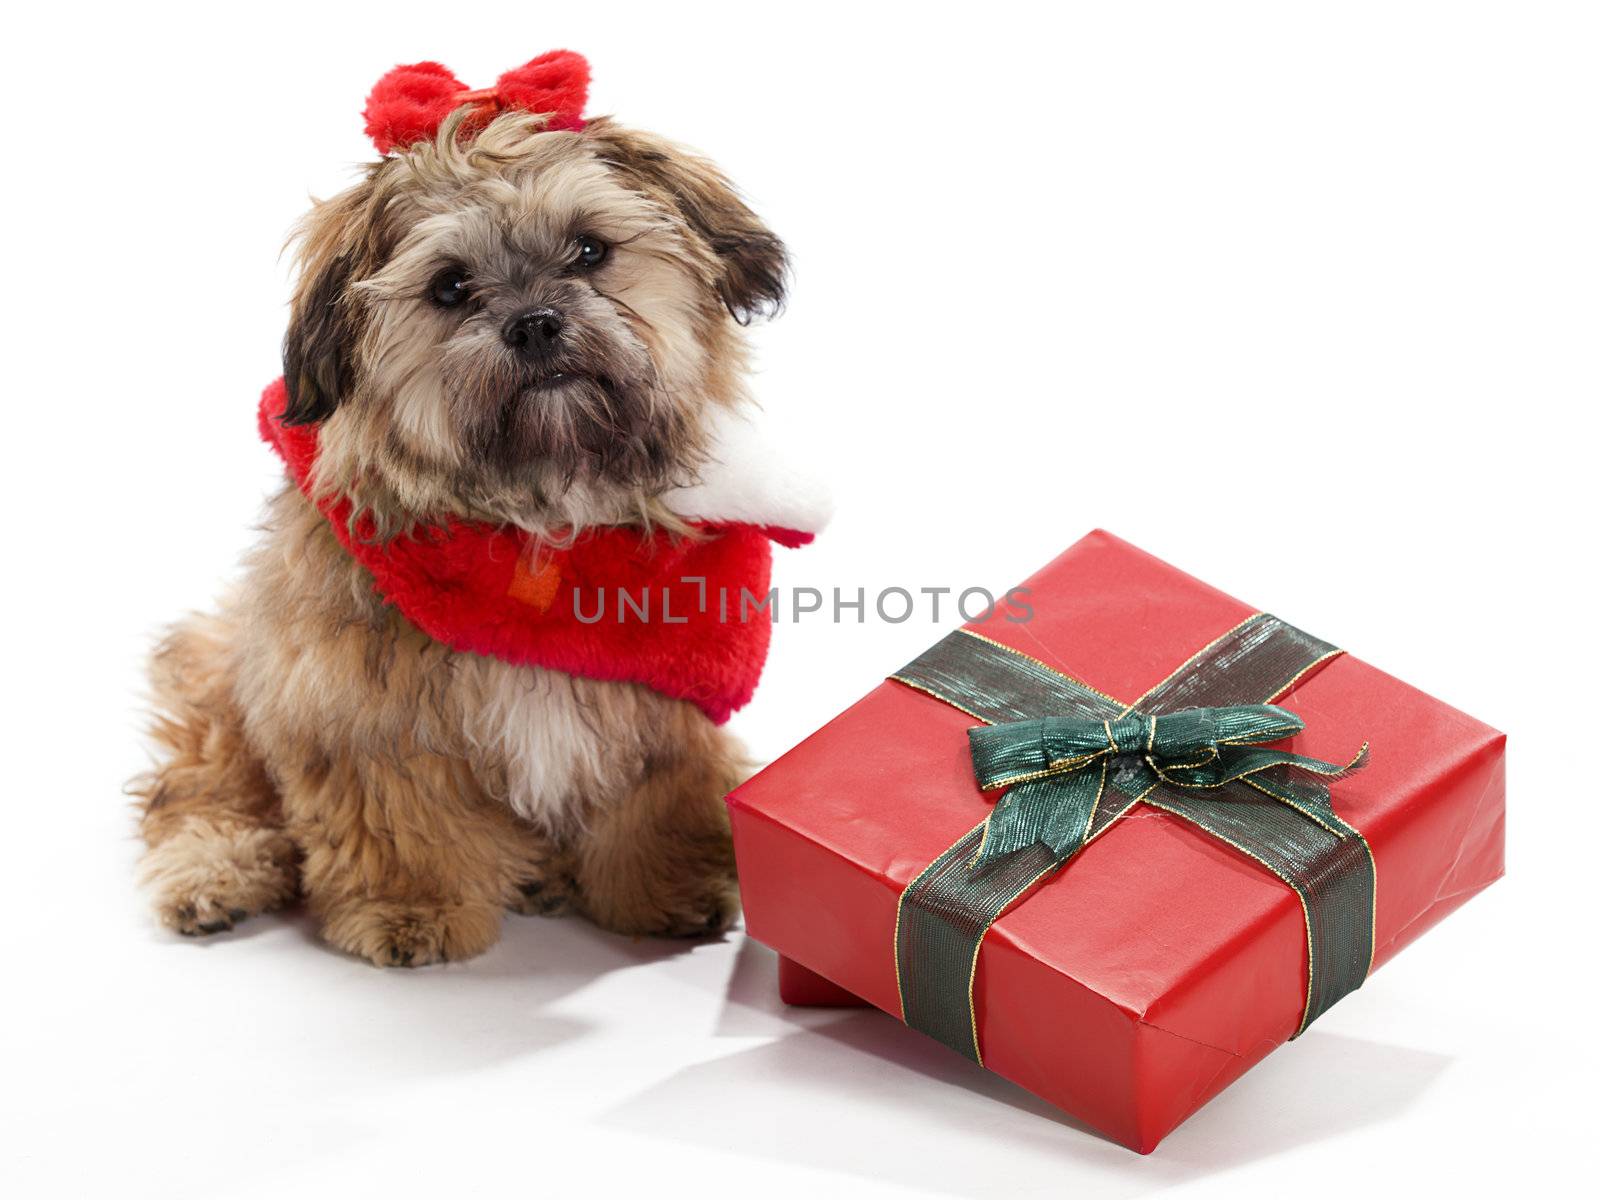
x: 316, y: 349
x: 325, y: 321
x: 753, y: 266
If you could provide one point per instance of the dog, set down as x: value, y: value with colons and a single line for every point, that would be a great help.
x: 518, y: 325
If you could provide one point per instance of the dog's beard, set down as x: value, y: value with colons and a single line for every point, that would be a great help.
x: 597, y: 412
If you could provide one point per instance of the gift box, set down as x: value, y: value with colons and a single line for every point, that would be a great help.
x: 1122, y: 923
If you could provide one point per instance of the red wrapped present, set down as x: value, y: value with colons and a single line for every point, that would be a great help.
x: 1158, y: 888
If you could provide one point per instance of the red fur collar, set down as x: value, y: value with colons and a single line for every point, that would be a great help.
x: 491, y: 590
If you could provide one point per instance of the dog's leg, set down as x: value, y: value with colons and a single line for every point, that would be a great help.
x: 217, y: 851
x: 408, y: 861
x: 660, y: 861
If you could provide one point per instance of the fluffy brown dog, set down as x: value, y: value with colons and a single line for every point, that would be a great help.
x: 316, y: 743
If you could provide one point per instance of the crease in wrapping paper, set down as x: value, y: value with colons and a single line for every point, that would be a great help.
x: 1232, y: 1063
x: 1144, y: 1024
x: 1493, y: 785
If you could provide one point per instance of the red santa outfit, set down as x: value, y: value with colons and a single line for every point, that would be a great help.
x: 681, y: 615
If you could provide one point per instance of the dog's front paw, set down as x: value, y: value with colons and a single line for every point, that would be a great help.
x: 408, y: 934
x: 204, y: 879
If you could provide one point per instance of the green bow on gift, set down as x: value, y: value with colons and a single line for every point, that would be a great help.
x: 1056, y: 768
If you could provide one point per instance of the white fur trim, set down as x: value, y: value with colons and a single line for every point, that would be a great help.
x: 746, y: 480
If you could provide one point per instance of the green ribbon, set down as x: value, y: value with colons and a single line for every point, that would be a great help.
x: 1073, y: 760
x: 1055, y: 768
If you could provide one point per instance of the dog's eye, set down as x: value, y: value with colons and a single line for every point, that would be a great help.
x: 591, y: 251
x: 448, y: 289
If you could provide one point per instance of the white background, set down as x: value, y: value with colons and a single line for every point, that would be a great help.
x: 1301, y: 298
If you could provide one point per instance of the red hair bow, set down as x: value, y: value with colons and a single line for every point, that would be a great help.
x: 409, y: 103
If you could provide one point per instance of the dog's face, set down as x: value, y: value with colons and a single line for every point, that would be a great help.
x: 527, y: 326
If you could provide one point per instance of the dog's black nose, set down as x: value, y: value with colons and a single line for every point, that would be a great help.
x: 535, y: 330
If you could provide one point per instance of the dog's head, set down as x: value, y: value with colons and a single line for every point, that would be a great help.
x: 524, y: 324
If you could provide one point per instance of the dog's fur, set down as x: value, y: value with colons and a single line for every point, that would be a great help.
x: 317, y: 745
